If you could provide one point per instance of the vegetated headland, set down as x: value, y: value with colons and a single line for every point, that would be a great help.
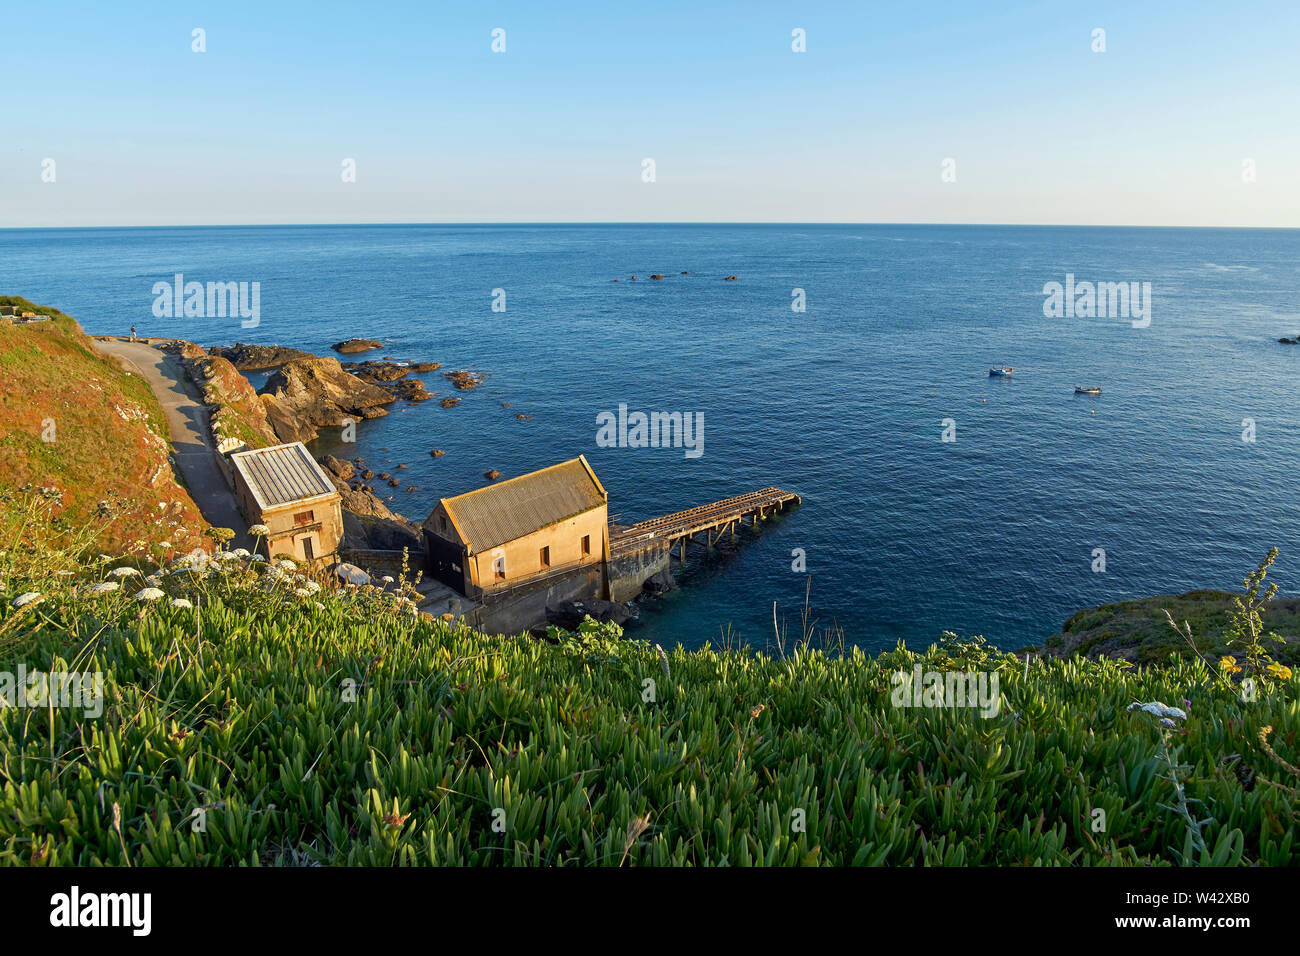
x: 167, y: 706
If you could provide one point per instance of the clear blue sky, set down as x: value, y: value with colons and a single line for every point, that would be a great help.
x: 1042, y: 130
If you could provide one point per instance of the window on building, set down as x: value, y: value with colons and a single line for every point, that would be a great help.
x: 304, y: 517
x: 586, y: 545
x: 442, y: 522
x: 546, y: 557
x: 307, y: 549
x: 499, y: 567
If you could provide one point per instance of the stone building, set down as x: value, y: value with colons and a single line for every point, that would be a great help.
x: 284, y: 488
x: 545, y: 524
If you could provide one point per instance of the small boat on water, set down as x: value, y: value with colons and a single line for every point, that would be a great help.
x: 1001, y: 370
x: 1087, y: 390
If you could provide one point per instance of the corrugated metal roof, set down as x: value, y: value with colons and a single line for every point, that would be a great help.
x: 518, y: 506
x: 282, y: 473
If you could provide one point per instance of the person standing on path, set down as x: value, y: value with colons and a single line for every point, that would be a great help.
x: 133, y: 333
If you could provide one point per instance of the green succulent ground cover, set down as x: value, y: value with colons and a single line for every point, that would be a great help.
x: 273, y: 725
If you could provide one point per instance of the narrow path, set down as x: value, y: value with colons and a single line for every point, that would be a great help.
x: 187, y: 420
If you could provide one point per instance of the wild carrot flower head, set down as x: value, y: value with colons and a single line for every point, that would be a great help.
x: 149, y: 594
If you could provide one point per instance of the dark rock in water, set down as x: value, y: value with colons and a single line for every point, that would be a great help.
x: 491, y: 474
x: 394, y: 482
x: 657, y: 275
x: 1295, y: 341
x: 385, y: 475
x: 437, y: 453
x: 351, y: 346
x: 464, y: 379
x: 449, y: 402
x: 408, y: 389
x: 730, y: 278
x: 367, y: 474
x: 660, y: 583
x: 377, y: 372
x: 248, y: 358
x: 570, y: 614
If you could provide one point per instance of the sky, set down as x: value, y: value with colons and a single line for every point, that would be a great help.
x: 963, y: 112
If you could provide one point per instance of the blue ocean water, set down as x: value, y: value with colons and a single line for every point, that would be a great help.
x: 905, y: 535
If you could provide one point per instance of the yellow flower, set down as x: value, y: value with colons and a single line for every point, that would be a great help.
x: 1279, y: 670
x: 1228, y: 665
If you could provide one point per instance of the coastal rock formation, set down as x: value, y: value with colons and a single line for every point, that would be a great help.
x: 570, y: 614
x: 237, y: 414
x: 307, y: 394
x: 464, y: 380
x: 367, y: 521
x: 449, y: 402
x: 1295, y: 341
x: 352, y: 346
x: 660, y: 583
x: 408, y: 390
x: 248, y: 358
x: 337, y: 467
x: 491, y: 474
x: 377, y: 372
x: 731, y: 278
x: 437, y: 453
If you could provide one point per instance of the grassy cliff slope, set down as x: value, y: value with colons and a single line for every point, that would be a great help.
x: 73, y: 422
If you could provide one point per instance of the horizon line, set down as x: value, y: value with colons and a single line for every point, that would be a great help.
x: 651, y: 222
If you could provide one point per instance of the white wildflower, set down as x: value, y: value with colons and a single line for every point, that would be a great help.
x: 123, y: 572
x: 302, y: 592
x: 30, y: 597
x: 259, y: 530
x: 106, y: 587
x: 1156, y: 709
x: 180, y: 602
x: 149, y: 594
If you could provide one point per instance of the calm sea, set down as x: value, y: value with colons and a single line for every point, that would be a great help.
x: 904, y: 534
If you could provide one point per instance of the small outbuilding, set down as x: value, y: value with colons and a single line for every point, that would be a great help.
x: 548, y: 522
x: 284, y: 488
